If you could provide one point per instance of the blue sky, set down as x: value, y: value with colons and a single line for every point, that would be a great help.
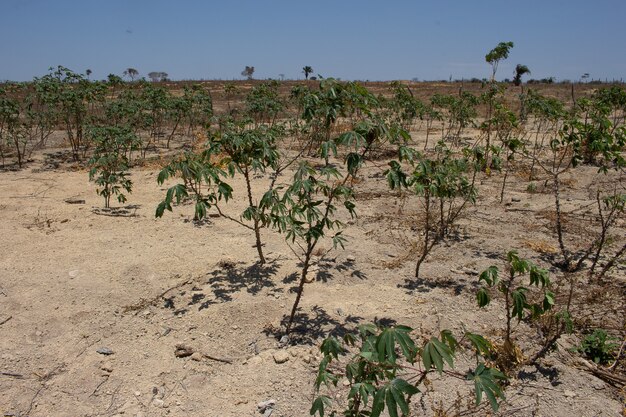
x: 365, y: 40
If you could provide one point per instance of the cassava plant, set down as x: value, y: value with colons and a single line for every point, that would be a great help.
x: 567, y: 150
x: 386, y: 366
x: 109, y: 165
x: 519, y: 302
x: 308, y: 213
x: 443, y: 187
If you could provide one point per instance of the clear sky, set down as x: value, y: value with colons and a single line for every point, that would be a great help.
x: 348, y: 39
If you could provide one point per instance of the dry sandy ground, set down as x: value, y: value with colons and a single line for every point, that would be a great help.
x: 75, y: 280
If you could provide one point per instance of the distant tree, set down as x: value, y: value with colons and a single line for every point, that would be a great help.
x: 520, y: 70
x: 131, y: 73
x: 248, y: 72
x: 496, y: 55
x: 307, y: 70
x: 156, y: 76
x: 88, y: 73
x: 114, y: 79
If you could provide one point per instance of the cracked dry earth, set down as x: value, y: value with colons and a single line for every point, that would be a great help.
x: 94, y: 303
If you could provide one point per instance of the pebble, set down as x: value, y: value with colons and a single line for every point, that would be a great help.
x: 158, y: 403
x: 182, y: 351
x: 107, y: 367
x: 105, y: 351
x: 281, y: 356
x: 569, y: 394
x: 197, y: 356
x: 350, y: 258
x: 264, y: 405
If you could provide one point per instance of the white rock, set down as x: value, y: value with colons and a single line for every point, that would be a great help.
x: 281, y: 356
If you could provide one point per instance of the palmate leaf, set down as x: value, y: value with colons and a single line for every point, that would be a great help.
x: 386, y: 344
x: 485, y: 381
x: 482, y: 346
x: 319, y: 404
x: 435, y: 353
x: 394, y: 395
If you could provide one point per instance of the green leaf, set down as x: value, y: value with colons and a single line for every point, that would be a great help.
x: 482, y: 297
x: 490, y: 276
x: 434, y: 353
x: 483, y: 346
x: 319, y: 404
x: 485, y: 381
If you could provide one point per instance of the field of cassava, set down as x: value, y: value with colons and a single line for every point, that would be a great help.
x: 264, y: 248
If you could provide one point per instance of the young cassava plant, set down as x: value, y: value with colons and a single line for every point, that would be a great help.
x: 109, y: 164
x: 386, y: 366
x: 518, y: 299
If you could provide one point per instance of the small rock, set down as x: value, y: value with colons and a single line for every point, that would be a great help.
x: 284, y: 340
x: 264, y: 405
x: 350, y: 258
x: 197, y: 356
x: 105, y: 351
x: 137, y: 393
x: 569, y: 394
x: 158, y: 403
x: 457, y: 271
x: 340, y: 312
x: 235, y: 327
x: 516, y: 199
x: 182, y: 350
x: 281, y: 356
x: 306, y: 359
x: 346, y: 383
x: 107, y: 367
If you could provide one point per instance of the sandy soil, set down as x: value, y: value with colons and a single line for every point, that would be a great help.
x: 75, y: 279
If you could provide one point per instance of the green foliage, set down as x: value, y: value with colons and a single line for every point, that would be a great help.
x: 443, y: 186
x: 381, y: 362
x: 599, y: 346
x: 201, y: 177
x: 497, y: 54
x: 109, y: 164
x: 595, y: 136
x: 461, y: 112
x: 263, y: 103
x: 517, y: 303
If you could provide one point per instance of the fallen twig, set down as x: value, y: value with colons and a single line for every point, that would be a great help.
x: 5, y: 320
x: 106, y: 378
x: 14, y: 375
x: 611, y: 378
x: 213, y: 358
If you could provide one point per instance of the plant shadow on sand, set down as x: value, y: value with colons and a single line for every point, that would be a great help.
x: 126, y: 211
x: 424, y: 285
x: 222, y: 283
x: 308, y: 328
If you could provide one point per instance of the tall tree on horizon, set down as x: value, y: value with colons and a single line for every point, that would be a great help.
x: 307, y: 70
x: 131, y: 73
